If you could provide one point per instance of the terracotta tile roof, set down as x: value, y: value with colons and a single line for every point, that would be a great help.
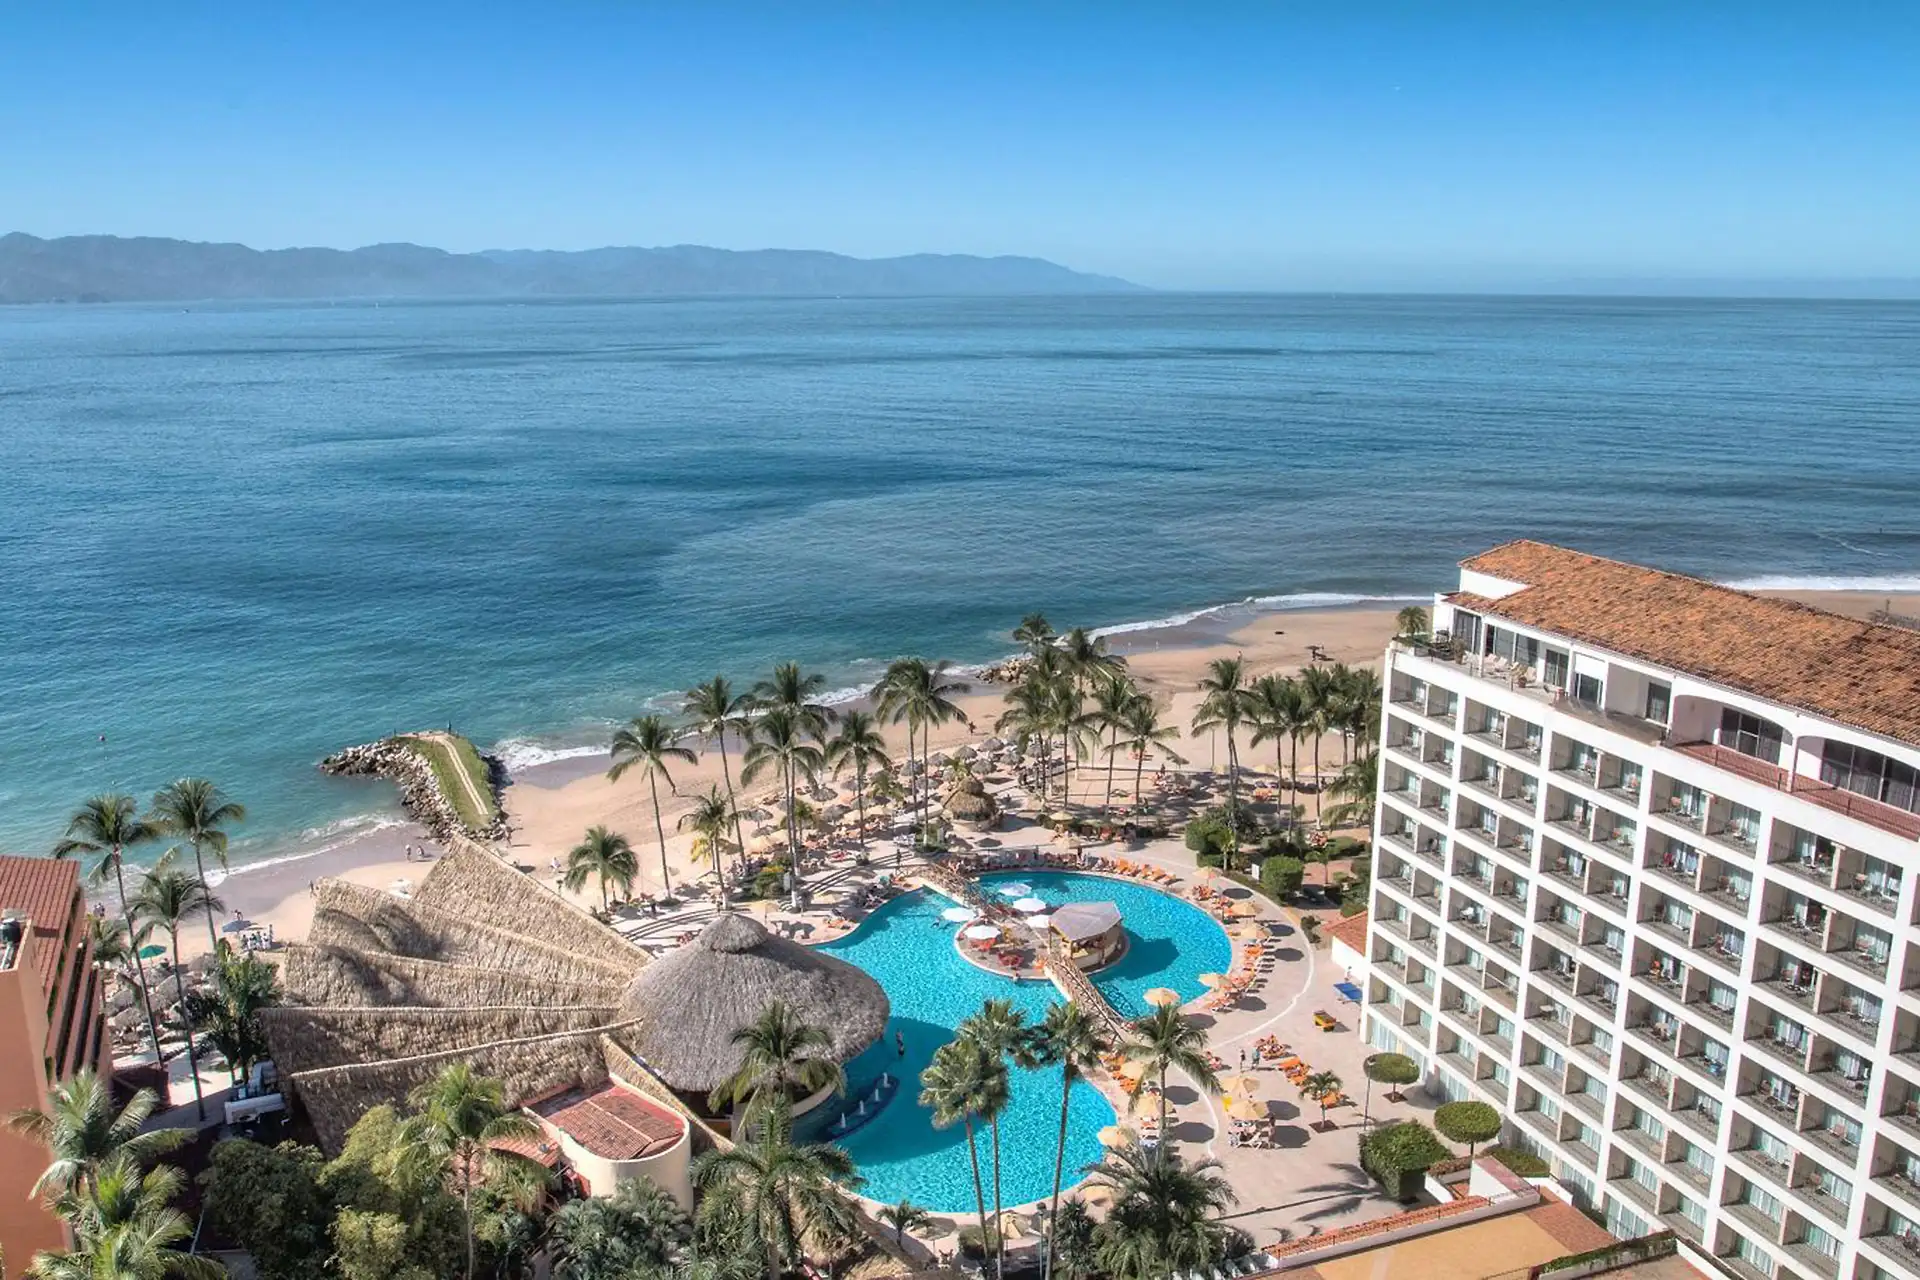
x: 44, y: 888
x: 613, y: 1121
x: 1351, y: 930
x: 1852, y: 672
x: 1568, y: 1225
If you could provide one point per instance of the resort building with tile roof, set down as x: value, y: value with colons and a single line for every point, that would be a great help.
x: 1645, y: 882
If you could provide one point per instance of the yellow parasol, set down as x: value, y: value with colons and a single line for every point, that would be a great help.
x: 1162, y: 996
x: 1250, y: 932
x: 1240, y: 1084
x: 1096, y: 1193
x: 1212, y: 979
x: 1115, y: 1135
x: 1244, y: 910
x: 1245, y: 1108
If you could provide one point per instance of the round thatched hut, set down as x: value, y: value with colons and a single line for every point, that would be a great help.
x: 689, y: 1003
x: 969, y: 805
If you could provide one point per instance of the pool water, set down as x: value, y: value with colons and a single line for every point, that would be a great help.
x: 909, y: 950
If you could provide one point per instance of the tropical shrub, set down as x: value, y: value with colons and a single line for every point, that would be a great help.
x: 1282, y: 877
x: 270, y: 1202
x: 1523, y: 1163
x: 1397, y: 1156
x: 1470, y: 1122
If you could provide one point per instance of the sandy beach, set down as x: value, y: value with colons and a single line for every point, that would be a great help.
x: 551, y: 805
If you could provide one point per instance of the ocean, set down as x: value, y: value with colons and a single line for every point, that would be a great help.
x: 234, y: 538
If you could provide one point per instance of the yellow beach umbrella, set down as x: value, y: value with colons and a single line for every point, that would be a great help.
x: 1250, y: 932
x: 1212, y: 979
x: 1096, y: 1193
x: 1245, y: 1108
x: 1115, y: 1135
x: 1162, y: 996
x: 1240, y: 1084
x: 1244, y: 910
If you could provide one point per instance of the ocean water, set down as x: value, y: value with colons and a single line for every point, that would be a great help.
x: 235, y: 538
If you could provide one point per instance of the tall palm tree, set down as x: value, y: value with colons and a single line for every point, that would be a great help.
x: 1164, y: 1041
x: 459, y: 1117
x: 784, y: 1055
x: 903, y: 1217
x: 166, y: 897
x: 83, y: 1132
x: 782, y: 738
x: 1164, y: 1219
x: 1145, y: 733
x: 1358, y: 787
x: 1113, y: 699
x: 1002, y: 1033
x: 795, y: 690
x: 605, y: 854
x: 1029, y: 716
x: 194, y: 810
x: 647, y: 742
x: 783, y: 1194
x: 126, y: 1228
x: 858, y: 745
x: 1412, y: 623
x: 714, y: 710
x: 1279, y: 715
x: 709, y: 819
x: 961, y: 1085
x: 228, y: 1012
x: 1226, y: 703
x: 102, y: 829
x: 1320, y: 697
x: 1067, y: 713
x: 1362, y: 719
x: 918, y: 692
x: 1034, y: 632
x: 1071, y: 1038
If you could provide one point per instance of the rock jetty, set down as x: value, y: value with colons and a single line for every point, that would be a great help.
x: 402, y: 762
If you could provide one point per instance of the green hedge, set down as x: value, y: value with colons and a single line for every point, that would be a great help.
x: 1399, y: 1155
x: 1523, y: 1163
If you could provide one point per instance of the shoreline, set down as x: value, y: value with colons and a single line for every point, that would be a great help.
x: 547, y: 804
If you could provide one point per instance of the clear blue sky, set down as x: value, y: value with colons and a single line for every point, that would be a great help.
x: 1246, y: 146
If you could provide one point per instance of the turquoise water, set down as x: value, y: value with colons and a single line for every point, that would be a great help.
x: 909, y: 949
x: 234, y: 538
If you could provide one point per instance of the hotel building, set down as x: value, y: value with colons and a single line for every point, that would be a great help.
x: 1645, y: 882
x: 52, y: 1023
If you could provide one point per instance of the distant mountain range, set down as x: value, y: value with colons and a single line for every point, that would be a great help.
x: 145, y: 269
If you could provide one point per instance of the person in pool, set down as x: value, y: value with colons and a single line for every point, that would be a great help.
x: 900, y: 1044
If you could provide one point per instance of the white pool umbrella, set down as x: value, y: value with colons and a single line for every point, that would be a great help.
x: 981, y: 932
x: 958, y: 915
x: 1027, y: 906
x: 1039, y: 921
x: 1015, y: 890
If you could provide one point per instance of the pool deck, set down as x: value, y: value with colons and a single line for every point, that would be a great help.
x: 1309, y: 1179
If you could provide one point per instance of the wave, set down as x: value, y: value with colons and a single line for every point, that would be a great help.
x: 1257, y: 604
x: 519, y: 754
x: 1891, y: 584
x: 314, y: 841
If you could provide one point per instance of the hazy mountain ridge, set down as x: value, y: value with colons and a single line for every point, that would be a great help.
x: 151, y: 269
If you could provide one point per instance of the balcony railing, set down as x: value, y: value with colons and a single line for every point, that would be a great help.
x: 1884, y: 816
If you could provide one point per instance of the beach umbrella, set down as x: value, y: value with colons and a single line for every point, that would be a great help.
x: 1115, y: 1135
x: 992, y: 744
x: 1039, y: 921
x: 1059, y: 815
x: 959, y: 915
x: 1014, y: 890
x: 1240, y: 1084
x: 1244, y: 910
x: 152, y: 950
x: 1027, y: 906
x: 1250, y: 931
x: 238, y: 924
x: 1243, y: 1108
x: 981, y: 932
x: 1212, y: 979
x: 1162, y: 996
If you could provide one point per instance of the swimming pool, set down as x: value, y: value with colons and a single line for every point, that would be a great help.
x: 908, y: 949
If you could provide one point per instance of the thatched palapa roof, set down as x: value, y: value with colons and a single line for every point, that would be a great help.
x: 689, y: 1002
x: 338, y: 977
x: 470, y: 882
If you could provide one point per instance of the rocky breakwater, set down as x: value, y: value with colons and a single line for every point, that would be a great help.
x: 409, y: 762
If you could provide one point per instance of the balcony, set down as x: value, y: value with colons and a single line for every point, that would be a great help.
x: 1631, y: 1191
x: 1872, y: 812
x: 1898, y: 1183
x: 1885, y: 898
x: 1812, y: 1260
x: 1684, y: 1227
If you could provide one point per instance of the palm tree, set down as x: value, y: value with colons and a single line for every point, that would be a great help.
x: 83, y: 1132
x: 1034, y: 632
x: 1144, y: 733
x: 1319, y: 699
x: 194, y: 810
x: 714, y: 710
x: 109, y: 945
x: 709, y: 819
x: 1066, y: 709
x: 1358, y: 786
x: 228, y: 1013
x: 1001, y: 1032
x: 605, y: 854
x: 919, y: 693
x: 1279, y: 715
x: 102, y: 829
x: 903, y: 1217
x: 1165, y: 1041
x: 647, y: 742
x: 166, y: 897
x: 1162, y: 1222
x: 962, y: 1084
x: 784, y: 1194
x: 784, y: 1055
x: 1320, y: 1086
x: 460, y: 1117
x: 1029, y: 716
x: 782, y: 738
x: 1412, y: 623
x: 126, y: 1228
x: 859, y: 746
x: 1113, y: 699
x: 1226, y: 703
x: 795, y: 690
x: 1073, y: 1039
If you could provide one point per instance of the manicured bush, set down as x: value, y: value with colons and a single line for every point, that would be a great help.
x: 1281, y: 877
x: 1523, y: 1163
x: 1346, y: 847
x: 1470, y: 1122
x: 1398, y: 1156
x: 1352, y: 907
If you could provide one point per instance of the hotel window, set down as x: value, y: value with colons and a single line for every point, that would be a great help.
x: 1714, y: 1055
x: 1659, y: 701
x: 1771, y: 1149
x: 1602, y: 1040
x: 1698, y: 1159
x: 1588, y: 690
x: 1648, y: 1125
x: 1839, y: 1126
x: 1833, y: 1186
x: 1706, y: 1106
x: 1752, y: 1254
x: 1875, y: 944
x: 1623, y: 1222
x: 1851, y: 1067
x: 1615, y: 887
x: 1870, y: 774
x: 1795, y: 975
x: 1693, y: 1211
x: 1824, y: 1241
x: 1743, y: 824
x: 1680, y: 858
x: 1613, y: 940
x: 1882, y: 879
x: 1750, y: 735
x: 1503, y: 1027
x: 1721, y: 996
x: 1813, y: 853
x: 1787, y: 1033
x: 1862, y: 1007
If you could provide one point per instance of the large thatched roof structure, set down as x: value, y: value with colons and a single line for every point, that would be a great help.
x: 486, y: 965
x: 689, y: 1002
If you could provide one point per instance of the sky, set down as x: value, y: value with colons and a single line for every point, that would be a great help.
x: 1204, y: 146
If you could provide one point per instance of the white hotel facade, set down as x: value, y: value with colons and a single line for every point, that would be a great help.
x: 1646, y: 881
